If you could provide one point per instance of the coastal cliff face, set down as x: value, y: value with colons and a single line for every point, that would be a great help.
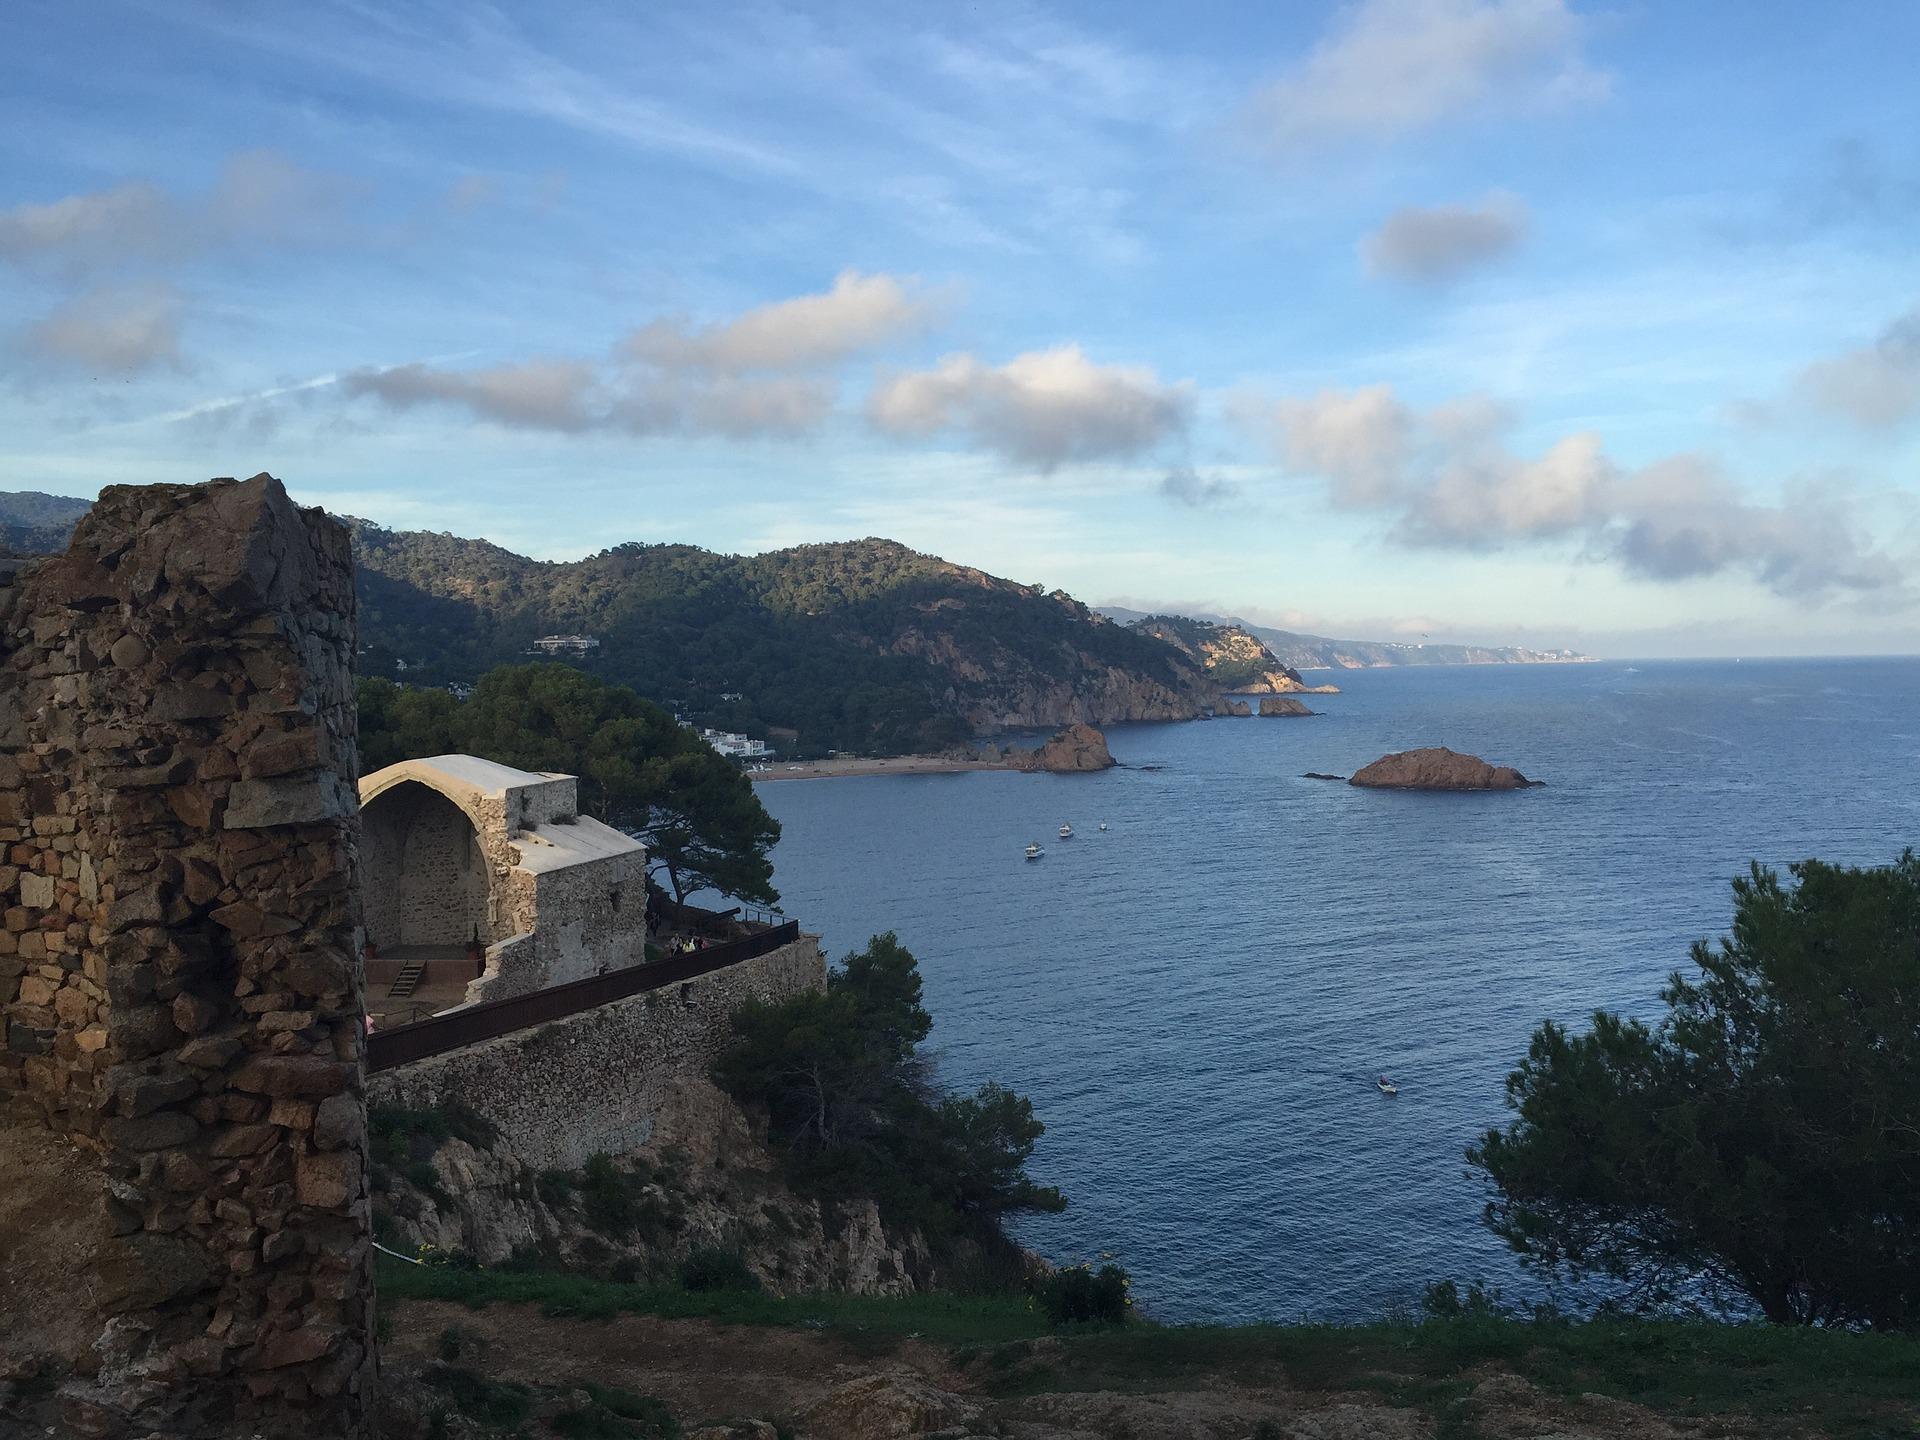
x: 1234, y: 659
x: 1438, y: 768
x: 994, y: 687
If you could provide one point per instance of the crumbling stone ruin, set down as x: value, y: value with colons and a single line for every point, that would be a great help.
x: 180, y: 982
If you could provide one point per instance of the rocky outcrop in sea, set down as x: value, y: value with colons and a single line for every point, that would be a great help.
x: 1438, y: 768
x: 1078, y: 749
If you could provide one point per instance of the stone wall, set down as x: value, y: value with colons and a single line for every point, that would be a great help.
x: 423, y: 873
x: 586, y: 918
x: 179, y: 967
x: 595, y: 1081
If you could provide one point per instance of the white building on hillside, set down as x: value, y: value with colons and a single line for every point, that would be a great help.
x: 570, y: 644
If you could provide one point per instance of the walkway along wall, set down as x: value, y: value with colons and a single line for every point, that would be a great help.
x: 594, y: 1081
x: 179, y: 969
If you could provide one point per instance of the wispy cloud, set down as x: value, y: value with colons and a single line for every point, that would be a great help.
x: 1877, y: 385
x: 1186, y: 486
x: 765, y: 372
x: 261, y: 196
x: 116, y: 329
x: 1433, y: 244
x: 1388, y: 68
x: 1447, y: 478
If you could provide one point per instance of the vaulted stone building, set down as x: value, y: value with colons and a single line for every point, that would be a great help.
x: 480, y: 881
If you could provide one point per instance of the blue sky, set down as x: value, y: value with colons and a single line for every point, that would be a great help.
x: 1495, y: 320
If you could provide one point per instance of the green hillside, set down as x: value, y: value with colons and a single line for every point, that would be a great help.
x: 863, y: 645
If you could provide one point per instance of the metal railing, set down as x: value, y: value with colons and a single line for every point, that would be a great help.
x: 388, y: 1048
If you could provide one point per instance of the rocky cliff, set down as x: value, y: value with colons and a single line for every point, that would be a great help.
x: 1076, y: 750
x: 703, y: 1184
x: 1233, y: 658
x: 1438, y: 768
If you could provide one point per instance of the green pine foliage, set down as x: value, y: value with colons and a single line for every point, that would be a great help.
x: 852, y: 1113
x: 1760, y: 1147
x: 639, y: 771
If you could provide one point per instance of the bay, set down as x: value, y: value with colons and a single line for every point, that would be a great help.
x: 1197, y: 1000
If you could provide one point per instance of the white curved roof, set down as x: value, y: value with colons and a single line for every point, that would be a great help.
x: 555, y: 847
x: 449, y: 773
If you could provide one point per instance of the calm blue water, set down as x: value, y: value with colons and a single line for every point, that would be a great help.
x: 1197, y: 1000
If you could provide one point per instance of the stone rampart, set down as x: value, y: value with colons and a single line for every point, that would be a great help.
x: 595, y: 1081
x: 179, y: 969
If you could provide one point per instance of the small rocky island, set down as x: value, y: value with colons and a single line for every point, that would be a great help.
x: 1074, y: 750
x: 1438, y: 768
x: 1270, y: 706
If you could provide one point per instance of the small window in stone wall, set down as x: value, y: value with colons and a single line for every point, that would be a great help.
x: 686, y: 994
x: 613, y: 899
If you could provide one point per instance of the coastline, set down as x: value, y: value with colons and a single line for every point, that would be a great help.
x: 894, y: 765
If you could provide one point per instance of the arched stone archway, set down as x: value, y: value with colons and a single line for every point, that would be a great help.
x: 425, y: 875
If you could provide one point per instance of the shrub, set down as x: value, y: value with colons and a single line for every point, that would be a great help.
x: 711, y: 1268
x: 555, y: 1187
x: 492, y: 1402
x: 1080, y: 1294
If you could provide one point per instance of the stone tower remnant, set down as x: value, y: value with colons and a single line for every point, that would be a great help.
x: 180, y: 977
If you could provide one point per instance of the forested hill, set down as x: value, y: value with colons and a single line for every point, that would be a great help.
x: 863, y: 645
x: 33, y: 523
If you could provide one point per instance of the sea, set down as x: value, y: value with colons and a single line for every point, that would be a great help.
x: 1198, y: 998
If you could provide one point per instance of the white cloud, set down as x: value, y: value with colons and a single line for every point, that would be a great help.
x: 1391, y: 67
x: 535, y: 395
x: 1044, y: 408
x: 82, y: 230
x: 1359, y: 440
x: 765, y: 372
x: 116, y: 328
x: 859, y: 313
x: 1437, y: 243
x: 1449, y: 478
x: 261, y: 195
x: 1877, y: 385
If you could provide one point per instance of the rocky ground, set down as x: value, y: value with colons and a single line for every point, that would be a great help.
x: 551, y: 1376
x: 704, y: 1183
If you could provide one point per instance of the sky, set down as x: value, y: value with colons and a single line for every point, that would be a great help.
x: 1501, y: 321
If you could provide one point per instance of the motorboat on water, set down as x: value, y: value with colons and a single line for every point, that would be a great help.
x: 1103, y: 824
x: 1066, y: 832
x: 1387, y: 1087
x: 1034, y: 852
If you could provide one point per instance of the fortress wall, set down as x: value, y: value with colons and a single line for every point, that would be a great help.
x: 179, y: 971
x: 594, y: 1081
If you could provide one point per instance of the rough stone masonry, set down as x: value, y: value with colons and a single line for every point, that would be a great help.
x: 180, y: 982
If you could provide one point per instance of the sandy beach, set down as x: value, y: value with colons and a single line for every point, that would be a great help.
x: 898, y: 765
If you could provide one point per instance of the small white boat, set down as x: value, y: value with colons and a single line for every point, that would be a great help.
x: 1387, y: 1087
x: 1034, y: 852
x: 1103, y: 824
x: 1066, y: 832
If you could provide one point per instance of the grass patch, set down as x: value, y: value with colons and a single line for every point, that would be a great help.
x: 1841, y: 1384
x: 944, y: 1319
x: 1849, y: 1386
